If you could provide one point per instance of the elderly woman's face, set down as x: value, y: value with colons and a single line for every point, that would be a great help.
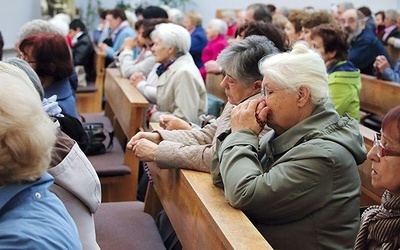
x: 283, y: 109
x: 386, y: 169
x: 162, y: 54
x: 236, y: 91
x: 211, y: 33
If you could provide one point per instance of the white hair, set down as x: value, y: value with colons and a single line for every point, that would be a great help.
x: 219, y: 25
x: 173, y: 36
x: 37, y: 26
x: 300, y: 67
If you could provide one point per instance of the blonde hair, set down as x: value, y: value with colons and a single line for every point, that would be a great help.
x: 300, y: 67
x: 194, y: 18
x: 27, y: 134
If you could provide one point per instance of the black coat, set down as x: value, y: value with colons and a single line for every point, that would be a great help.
x: 83, y: 54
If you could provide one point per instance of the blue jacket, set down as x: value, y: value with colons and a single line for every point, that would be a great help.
x: 31, y: 217
x: 364, y: 49
x: 119, y: 40
x: 390, y: 74
x: 198, y: 42
x: 65, y: 96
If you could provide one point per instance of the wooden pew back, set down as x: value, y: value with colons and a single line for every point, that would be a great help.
x: 378, y: 96
x: 369, y: 194
x: 199, y: 212
x: 394, y: 54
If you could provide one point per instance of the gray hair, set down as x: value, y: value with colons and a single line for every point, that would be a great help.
x: 176, y: 16
x: 24, y: 66
x: 347, y: 5
x: 37, y: 26
x: 241, y: 58
x: 260, y: 12
x: 300, y: 67
x: 219, y: 25
x: 173, y: 36
x: 391, y: 15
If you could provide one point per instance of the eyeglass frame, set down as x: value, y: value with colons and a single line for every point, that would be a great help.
x: 382, y: 151
x: 265, y: 90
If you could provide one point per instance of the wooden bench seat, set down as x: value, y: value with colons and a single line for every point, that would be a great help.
x: 110, y: 166
x: 124, y: 225
x: 90, y: 88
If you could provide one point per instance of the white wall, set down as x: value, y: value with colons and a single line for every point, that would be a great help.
x: 14, y: 13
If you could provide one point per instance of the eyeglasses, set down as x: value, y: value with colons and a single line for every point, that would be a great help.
x: 382, y: 151
x: 267, y: 91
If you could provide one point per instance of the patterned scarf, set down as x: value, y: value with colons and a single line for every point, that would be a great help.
x: 381, y: 224
x: 163, y: 67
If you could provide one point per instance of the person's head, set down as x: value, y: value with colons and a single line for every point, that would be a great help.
x: 311, y: 20
x: 293, y: 26
x: 35, y: 27
x: 291, y: 87
x: 391, y: 18
x: 75, y: 27
x: 279, y: 20
x: 353, y: 23
x: 192, y: 20
x: 154, y: 12
x: 380, y: 18
x: 341, y: 8
x: 242, y: 79
x: 258, y: 12
x: 48, y: 54
x: 215, y: 28
x: 24, y: 66
x: 170, y: 40
x: 228, y: 16
x: 365, y: 10
x: 115, y: 17
x: 274, y: 34
x: 330, y: 41
x: 176, y: 16
x: 385, y: 154
x: 240, y: 18
x: 27, y: 134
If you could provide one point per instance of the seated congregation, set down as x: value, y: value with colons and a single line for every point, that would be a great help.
x: 276, y: 148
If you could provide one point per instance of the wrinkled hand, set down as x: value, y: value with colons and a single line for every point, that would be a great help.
x: 136, y: 78
x: 103, y: 47
x: 129, y: 43
x: 244, y: 116
x: 145, y: 149
x: 154, y: 137
x: 381, y: 63
x: 171, y: 122
x: 212, y: 67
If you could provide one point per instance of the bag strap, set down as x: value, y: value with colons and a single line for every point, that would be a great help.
x: 111, y: 142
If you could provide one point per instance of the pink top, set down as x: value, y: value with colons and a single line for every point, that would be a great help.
x: 211, y: 52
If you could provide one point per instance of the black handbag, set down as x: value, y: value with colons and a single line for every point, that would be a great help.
x: 96, y: 135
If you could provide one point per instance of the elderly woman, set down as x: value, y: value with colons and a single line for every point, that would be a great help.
x: 198, y: 36
x: 53, y: 70
x: 380, y: 225
x: 180, y: 88
x: 31, y: 216
x: 193, y: 149
x: 344, y: 78
x: 215, y: 32
x: 307, y: 174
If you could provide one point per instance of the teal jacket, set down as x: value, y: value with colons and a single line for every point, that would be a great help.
x: 344, y: 88
x: 304, y: 193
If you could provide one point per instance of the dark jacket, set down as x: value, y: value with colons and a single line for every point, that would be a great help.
x: 83, y: 54
x: 199, y: 41
x: 364, y: 49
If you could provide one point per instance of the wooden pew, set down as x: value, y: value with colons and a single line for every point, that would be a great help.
x: 125, y: 108
x: 394, y: 54
x: 199, y: 212
x: 213, y: 85
x: 378, y: 96
x: 369, y: 194
x: 89, y: 99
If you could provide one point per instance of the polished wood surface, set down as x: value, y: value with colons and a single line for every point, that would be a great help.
x: 369, y: 194
x: 126, y: 108
x: 199, y: 211
x: 91, y: 102
x: 213, y: 86
x: 378, y: 96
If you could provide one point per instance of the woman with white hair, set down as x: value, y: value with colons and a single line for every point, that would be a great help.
x: 180, y: 89
x: 307, y: 174
x: 215, y: 33
x: 31, y: 217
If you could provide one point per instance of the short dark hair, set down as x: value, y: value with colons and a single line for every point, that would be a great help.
x: 117, y: 13
x: 261, y: 12
x: 316, y: 18
x: 334, y: 39
x: 365, y: 10
x: 77, y: 23
x: 154, y: 12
